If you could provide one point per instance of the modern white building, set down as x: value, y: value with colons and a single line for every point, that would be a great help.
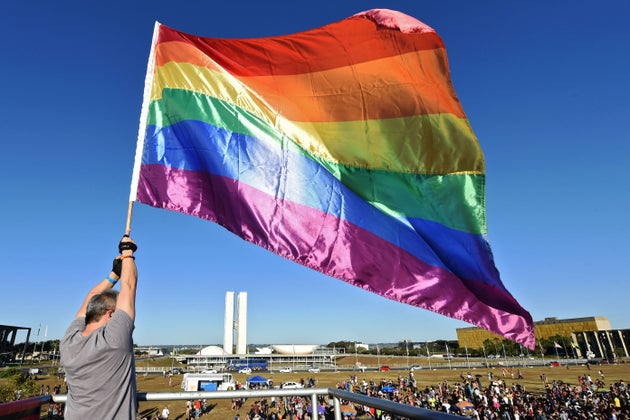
x: 232, y: 325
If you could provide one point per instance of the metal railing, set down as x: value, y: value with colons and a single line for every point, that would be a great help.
x: 27, y: 409
x: 408, y: 411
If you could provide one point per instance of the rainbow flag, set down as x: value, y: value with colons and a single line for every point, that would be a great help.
x: 343, y: 148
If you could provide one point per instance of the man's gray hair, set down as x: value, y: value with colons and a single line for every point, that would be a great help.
x: 99, y: 305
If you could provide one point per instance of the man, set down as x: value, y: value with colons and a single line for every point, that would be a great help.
x: 97, y: 349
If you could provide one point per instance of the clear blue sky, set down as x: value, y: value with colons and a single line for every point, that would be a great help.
x: 545, y: 86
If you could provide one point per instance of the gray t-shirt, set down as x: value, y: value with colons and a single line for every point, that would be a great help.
x: 100, y: 370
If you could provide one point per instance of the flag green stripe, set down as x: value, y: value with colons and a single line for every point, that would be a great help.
x: 453, y: 200
x: 422, y: 144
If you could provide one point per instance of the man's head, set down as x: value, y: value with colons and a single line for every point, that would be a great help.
x: 103, y: 304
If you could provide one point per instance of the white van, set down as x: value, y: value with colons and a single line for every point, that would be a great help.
x: 208, y: 382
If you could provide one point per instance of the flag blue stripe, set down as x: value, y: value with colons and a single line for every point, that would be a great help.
x: 292, y: 176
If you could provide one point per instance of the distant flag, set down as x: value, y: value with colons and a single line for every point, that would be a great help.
x: 556, y: 345
x: 343, y: 148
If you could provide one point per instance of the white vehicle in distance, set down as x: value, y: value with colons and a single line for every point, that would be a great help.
x: 245, y: 370
x: 291, y: 385
x: 209, y: 371
x: 314, y: 370
x: 415, y: 367
x: 286, y: 370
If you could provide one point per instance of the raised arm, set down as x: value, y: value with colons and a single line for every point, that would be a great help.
x: 105, y: 284
x: 128, y: 278
x: 124, y: 268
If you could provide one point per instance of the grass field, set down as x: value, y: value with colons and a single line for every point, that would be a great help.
x: 424, y: 377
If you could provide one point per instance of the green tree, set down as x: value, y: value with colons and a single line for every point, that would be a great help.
x: 18, y: 386
x: 511, y: 348
x: 549, y: 345
x: 491, y: 346
x: 347, y: 345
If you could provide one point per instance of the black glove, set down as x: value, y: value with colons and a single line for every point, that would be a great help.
x: 124, y: 246
x: 117, y: 266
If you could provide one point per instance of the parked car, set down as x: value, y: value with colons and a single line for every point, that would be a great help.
x: 384, y: 368
x: 361, y: 368
x: 286, y: 370
x: 209, y: 371
x: 314, y: 370
x: 245, y: 370
x: 292, y: 385
x: 415, y: 367
x: 176, y: 371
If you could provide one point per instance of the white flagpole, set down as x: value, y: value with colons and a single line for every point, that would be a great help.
x: 467, y: 360
x: 448, y: 356
x: 42, y: 348
x: 142, y: 128
x: 35, y: 344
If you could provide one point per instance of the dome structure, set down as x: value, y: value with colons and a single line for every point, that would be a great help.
x: 211, y: 351
x: 295, y: 348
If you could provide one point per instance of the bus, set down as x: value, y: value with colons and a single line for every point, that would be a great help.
x: 247, y: 362
x: 208, y: 382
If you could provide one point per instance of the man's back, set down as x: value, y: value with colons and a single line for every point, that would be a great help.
x: 97, y: 348
x: 100, y: 370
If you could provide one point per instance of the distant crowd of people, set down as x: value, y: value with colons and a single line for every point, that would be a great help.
x: 588, y: 399
x: 55, y: 410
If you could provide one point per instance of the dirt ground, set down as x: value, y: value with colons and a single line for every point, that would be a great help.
x: 221, y: 409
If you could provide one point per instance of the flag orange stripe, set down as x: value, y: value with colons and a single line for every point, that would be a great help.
x: 416, y: 84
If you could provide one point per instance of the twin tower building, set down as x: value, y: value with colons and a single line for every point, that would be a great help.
x: 238, y: 325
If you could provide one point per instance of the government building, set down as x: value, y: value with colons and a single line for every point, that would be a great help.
x: 590, y: 336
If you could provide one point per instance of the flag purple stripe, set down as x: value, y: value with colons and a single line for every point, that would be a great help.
x: 332, y: 246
